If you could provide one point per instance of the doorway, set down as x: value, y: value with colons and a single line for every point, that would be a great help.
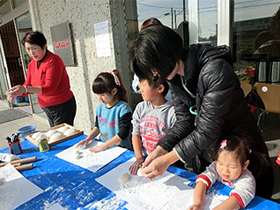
x: 11, y: 50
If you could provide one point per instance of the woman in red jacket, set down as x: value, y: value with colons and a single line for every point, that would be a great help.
x: 47, y: 77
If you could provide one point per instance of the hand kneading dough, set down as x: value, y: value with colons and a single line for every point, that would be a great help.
x: 124, y: 178
x: 51, y: 132
x: 63, y: 129
x: 139, y: 173
x: 55, y: 137
x: 70, y: 132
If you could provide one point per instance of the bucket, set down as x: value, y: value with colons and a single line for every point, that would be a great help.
x: 26, y: 130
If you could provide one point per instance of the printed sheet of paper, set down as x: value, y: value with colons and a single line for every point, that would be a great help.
x: 90, y: 160
x: 165, y: 192
x: 102, y: 40
x: 15, y: 189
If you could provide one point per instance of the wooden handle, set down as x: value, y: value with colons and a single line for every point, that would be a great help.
x: 25, y: 160
x: 24, y: 167
x: 16, y: 164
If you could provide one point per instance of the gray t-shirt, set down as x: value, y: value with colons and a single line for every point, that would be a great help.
x: 152, y: 124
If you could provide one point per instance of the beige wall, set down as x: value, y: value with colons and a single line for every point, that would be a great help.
x: 82, y: 15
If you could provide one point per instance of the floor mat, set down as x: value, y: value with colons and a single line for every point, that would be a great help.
x: 10, y: 115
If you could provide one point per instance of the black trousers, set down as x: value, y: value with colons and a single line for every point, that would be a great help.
x: 61, y: 113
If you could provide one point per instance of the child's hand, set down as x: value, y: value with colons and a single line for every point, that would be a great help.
x: 83, y: 142
x: 98, y: 148
x: 136, y: 165
x: 195, y: 207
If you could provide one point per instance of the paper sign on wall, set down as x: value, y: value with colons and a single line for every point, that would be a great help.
x: 102, y: 39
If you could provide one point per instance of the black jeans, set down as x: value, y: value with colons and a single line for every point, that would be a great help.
x: 61, y: 113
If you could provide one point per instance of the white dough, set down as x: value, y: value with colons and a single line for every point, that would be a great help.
x: 76, y: 154
x: 70, y: 132
x: 55, y: 137
x: 35, y: 135
x: 139, y: 173
x: 63, y: 129
x: 124, y: 178
x: 51, y: 132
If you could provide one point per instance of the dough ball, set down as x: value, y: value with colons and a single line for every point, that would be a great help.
x: 35, y: 135
x: 139, y: 173
x: 51, y: 132
x: 63, y: 129
x: 70, y: 132
x: 124, y: 178
x: 76, y: 154
x: 55, y: 137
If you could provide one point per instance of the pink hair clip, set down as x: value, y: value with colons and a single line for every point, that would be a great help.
x: 223, y: 144
x: 117, y: 81
x: 250, y: 151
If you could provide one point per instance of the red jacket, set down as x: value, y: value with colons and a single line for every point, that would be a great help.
x: 52, y: 77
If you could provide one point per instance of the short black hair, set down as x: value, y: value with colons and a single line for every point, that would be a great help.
x: 34, y: 37
x: 157, y: 47
x: 155, y: 82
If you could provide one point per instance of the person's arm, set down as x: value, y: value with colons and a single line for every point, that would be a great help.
x: 219, y: 84
x: 158, y: 162
x: 115, y: 140
x: 124, y: 129
x: 184, y: 123
x: 94, y: 132
x: 125, y: 125
x: 230, y: 204
x: 198, y: 196
x: 137, y: 148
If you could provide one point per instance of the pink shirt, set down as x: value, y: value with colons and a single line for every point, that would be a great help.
x: 52, y: 77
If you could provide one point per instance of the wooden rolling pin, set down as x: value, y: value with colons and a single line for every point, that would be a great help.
x: 24, y: 167
x: 25, y: 160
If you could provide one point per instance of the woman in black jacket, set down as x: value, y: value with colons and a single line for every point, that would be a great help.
x: 200, y: 76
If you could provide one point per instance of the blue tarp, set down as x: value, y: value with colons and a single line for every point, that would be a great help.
x: 74, y: 187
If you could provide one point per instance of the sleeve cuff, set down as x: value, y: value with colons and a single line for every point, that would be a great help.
x: 174, y: 149
x: 204, y: 179
x: 239, y: 199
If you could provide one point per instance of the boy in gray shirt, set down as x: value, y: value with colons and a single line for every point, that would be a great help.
x: 151, y: 119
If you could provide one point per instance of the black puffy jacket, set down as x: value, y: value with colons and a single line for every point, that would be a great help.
x: 220, y: 103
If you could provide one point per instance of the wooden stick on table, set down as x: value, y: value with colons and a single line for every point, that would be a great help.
x: 25, y: 160
x: 24, y: 167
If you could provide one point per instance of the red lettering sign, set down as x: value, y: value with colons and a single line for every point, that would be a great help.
x: 61, y: 45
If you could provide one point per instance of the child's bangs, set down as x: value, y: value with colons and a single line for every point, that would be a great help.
x: 99, y: 86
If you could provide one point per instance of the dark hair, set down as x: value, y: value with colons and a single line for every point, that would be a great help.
x: 259, y: 162
x: 105, y: 82
x: 155, y: 82
x: 34, y: 37
x: 157, y: 47
x: 235, y: 145
x: 150, y: 21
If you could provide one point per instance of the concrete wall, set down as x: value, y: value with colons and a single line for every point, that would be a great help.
x: 82, y: 15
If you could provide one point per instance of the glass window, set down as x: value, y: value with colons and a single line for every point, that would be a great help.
x: 169, y: 12
x: 5, y: 8
x: 175, y: 14
x: 256, y: 32
x: 16, y: 3
x: 207, y: 21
